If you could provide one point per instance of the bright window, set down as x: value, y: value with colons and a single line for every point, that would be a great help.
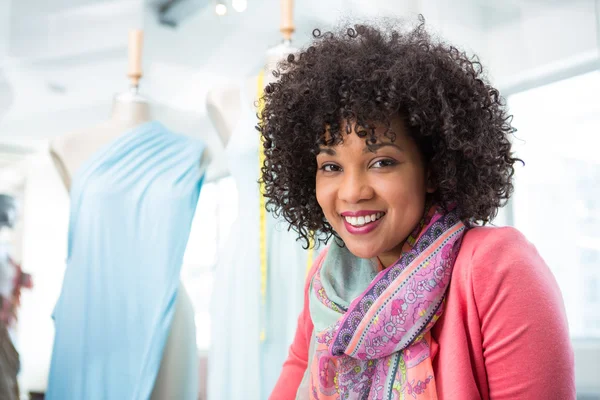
x: 557, y: 194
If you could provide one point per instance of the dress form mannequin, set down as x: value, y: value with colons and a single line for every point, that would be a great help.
x: 255, y: 357
x: 129, y: 109
x: 71, y: 151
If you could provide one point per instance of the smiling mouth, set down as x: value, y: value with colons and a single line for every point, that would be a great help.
x: 363, y: 220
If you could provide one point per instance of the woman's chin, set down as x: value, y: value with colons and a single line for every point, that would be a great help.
x: 362, y: 251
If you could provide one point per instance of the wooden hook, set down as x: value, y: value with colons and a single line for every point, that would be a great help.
x: 287, y: 19
x: 136, y: 41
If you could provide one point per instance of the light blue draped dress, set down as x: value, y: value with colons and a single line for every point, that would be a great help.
x: 132, y: 205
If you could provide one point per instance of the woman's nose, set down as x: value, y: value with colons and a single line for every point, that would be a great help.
x: 354, y: 188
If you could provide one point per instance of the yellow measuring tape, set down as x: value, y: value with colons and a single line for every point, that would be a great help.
x: 263, y: 218
x: 309, y: 258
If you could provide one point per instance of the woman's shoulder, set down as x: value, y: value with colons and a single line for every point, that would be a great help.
x: 490, y: 236
x: 496, y: 246
x: 494, y: 260
x: 502, y: 283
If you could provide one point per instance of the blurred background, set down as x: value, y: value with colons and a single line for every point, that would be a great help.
x: 62, y: 61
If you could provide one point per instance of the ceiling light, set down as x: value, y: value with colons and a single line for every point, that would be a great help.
x: 239, y: 5
x: 220, y: 8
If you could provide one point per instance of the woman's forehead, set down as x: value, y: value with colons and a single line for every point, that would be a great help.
x: 376, y: 134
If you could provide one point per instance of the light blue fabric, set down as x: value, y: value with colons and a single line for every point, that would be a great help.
x: 132, y: 205
x: 242, y: 367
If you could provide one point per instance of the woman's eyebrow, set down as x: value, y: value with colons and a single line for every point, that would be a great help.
x: 374, y: 147
x: 327, y: 150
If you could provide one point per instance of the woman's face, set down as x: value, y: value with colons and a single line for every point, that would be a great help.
x: 373, y: 196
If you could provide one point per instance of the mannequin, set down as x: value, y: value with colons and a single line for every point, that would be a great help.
x: 129, y: 109
x: 266, y: 298
x: 69, y: 152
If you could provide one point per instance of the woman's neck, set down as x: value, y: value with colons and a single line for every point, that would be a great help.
x: 391, y: 257
x: 386, y: 260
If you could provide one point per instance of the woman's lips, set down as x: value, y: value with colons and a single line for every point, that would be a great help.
x: 365, y: 228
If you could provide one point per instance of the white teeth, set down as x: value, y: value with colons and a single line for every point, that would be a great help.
x: 362, y: 220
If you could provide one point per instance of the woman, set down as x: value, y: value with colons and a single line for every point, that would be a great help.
x: 395, y: 146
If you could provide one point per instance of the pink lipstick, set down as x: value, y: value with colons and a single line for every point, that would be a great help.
x: 362, y: 222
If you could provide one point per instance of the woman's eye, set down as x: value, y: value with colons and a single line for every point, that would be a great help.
x: 330, y: 168
x: 383, y: 163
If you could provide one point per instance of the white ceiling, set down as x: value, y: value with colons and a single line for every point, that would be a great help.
x: 61, y: 61
x: 73, y: 55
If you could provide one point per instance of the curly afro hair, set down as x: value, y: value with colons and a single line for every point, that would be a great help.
x: 363, y: 76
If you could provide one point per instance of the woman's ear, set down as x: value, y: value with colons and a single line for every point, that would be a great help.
x: 431, y: 186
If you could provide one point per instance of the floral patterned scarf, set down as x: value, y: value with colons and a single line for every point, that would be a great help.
x: 372, y: 326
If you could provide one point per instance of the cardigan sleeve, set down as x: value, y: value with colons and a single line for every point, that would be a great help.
x: 526, y: 345
x: 297, y: 360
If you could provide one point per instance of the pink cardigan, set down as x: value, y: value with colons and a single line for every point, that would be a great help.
x: 503, y: 334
